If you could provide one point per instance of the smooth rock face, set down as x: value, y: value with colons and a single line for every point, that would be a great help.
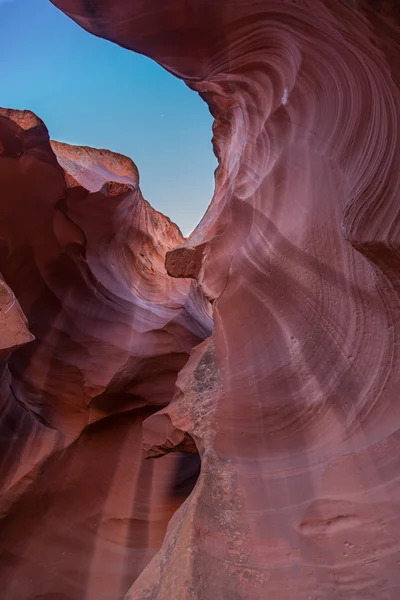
x: 93, y: 333
x: 293, y: 403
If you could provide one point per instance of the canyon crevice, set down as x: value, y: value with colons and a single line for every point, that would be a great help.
x: 94, y: 333
x: 266, y: 344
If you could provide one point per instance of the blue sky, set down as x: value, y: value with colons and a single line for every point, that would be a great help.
x: 91, y: 92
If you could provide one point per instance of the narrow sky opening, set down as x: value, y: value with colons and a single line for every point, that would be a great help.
x: 91, y: 92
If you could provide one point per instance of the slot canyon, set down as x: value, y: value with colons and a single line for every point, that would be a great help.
x: 211, y: 417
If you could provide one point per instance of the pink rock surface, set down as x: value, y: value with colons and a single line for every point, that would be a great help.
x: 13, y: 323
x: 93, y: 333
x: 293, y: 402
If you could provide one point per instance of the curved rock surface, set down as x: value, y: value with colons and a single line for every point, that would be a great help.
x: 293, y: 402
x: 93, y: 333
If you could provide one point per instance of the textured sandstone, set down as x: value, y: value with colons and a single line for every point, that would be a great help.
x: 13, y: 323
x: 299, y: 437
x: 93, y: 333
x: 292, y: 402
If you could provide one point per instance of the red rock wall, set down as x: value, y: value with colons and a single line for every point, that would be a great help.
x: 298, y: 493
x: 93, y: 335
x: 292, y: 403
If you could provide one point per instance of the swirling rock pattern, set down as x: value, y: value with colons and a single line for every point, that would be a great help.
x: 93, y: 335
x: 299, y: 437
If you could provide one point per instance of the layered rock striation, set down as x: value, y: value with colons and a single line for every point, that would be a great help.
x: 93, y: 333
x: 293, y: 401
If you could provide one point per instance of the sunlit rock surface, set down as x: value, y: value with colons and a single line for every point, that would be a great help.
x: 93, y: 333
x: 293, y: 402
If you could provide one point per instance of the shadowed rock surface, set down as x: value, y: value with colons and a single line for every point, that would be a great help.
x: 93, y: 335
x: 292, y: 402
